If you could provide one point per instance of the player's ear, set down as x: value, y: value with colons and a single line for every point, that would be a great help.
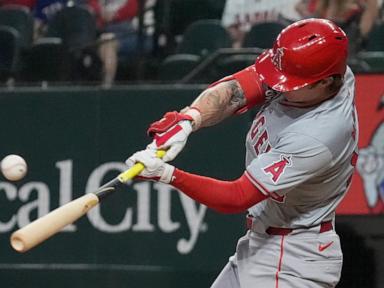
x: 334, y: 83
x: 327, y: 81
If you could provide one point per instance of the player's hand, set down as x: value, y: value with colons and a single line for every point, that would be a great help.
x: 155, y: 168
x: 171, y: 132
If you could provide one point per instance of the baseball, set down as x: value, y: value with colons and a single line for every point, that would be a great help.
x: 13, y: 167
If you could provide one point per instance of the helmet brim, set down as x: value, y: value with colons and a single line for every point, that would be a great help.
x: 275, y: 78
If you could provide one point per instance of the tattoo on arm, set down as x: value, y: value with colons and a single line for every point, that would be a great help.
x: 238, y: 98
x: 219, y: 102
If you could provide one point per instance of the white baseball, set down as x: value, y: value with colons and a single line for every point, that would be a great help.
x: 13, y: 167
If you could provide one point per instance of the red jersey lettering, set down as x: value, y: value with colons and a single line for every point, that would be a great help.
x: 259, y: 136
x: 260, y: 141
x: 257, y: 127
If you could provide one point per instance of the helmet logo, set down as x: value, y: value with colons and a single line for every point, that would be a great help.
x: 276, y: 58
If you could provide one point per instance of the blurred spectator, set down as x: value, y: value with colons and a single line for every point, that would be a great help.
x: 306, y: 8
x: 44, y: 10
x: 239, y: 15
x: 355, y: 17
x: 120, y: 37
x: 118, y: 31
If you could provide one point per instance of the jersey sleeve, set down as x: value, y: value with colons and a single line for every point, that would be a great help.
x: 295, y: 159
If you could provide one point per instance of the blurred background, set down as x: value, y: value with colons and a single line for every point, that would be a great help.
x: 80, y: 81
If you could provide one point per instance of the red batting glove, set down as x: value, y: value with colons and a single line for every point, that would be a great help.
x: 168, y: 121
x: 171, y: 132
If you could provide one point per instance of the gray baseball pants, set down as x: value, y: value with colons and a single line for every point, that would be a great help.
x: 302, y: 259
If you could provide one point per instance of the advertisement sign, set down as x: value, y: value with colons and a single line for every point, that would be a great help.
x: 147, y: 234
x: 366, y: 195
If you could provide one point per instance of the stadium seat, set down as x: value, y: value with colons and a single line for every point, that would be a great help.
x: 47, y: 60
x: 374, y: 60
x: 204, y: 37
x: 175, y: 67
x: 20, y: 19
x: 75, y: 25
x: 262, y: 35
x: 375, y: 40
x: 9, y: 52
x: 217, y: 6
x: 358, y: 65
x: 234, y: 63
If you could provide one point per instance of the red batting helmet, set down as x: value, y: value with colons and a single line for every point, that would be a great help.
x: 303, y: 53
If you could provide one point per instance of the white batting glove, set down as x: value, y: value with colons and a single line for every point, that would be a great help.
x: 172, y: 131
x: 173, y: 140
x: 155, y: 168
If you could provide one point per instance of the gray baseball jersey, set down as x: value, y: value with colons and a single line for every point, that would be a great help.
x: 303, y: 158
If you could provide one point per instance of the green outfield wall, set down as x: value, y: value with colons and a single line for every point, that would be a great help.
x: 145, y: 235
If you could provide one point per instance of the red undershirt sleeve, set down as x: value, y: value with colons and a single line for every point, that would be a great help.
x: 223, y: 196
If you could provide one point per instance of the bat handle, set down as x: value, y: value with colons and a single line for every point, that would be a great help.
x: 107, y: 188
x: 123, y: 177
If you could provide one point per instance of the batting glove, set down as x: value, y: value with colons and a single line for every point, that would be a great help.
x: 171, y: 132
x: 155, y: 168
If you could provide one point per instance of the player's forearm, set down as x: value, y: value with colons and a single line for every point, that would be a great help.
x: 223, y: 196
x: 218, y: 102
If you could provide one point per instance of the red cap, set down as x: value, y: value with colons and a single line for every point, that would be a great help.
x: 304, y: 52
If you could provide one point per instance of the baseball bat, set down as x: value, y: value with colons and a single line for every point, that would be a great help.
x: 48, y: 225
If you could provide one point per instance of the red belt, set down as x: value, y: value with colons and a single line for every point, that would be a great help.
x: 324, y: 227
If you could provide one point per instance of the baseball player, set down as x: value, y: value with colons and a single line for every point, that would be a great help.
x: 301, y: 153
